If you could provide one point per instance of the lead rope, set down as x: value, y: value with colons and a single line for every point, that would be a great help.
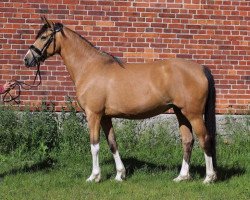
x: 8, y: 97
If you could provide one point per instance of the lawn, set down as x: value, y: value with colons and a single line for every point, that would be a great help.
x: 152, y: 159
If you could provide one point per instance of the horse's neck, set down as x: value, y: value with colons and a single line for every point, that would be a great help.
x: 77, y: 54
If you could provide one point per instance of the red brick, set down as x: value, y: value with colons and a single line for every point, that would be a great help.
x: 105, y: 23
x: 210, y: 33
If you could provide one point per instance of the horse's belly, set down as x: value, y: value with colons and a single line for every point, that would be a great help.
x: 139, y: 97
x: 137, y: 112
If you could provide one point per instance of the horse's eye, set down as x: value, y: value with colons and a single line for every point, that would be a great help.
x: 43, y: 38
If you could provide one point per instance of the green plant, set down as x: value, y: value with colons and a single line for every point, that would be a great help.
x: 8, y: 125
x: 38, y: 132
x: 127, y: 138
x: 73, y: 132
x: 149, y: 176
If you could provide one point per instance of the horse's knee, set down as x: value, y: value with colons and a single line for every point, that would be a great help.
x: 94, y: 127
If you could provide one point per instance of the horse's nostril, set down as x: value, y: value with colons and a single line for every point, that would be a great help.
x: 26, y: 61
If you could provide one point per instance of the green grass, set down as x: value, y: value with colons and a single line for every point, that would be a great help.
x: 148, y: 176
x: 147, y: 179
x: 152, y: 159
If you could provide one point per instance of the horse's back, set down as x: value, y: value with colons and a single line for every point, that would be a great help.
x: 171, y: 75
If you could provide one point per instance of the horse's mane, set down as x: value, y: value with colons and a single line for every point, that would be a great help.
x: 110, y: 56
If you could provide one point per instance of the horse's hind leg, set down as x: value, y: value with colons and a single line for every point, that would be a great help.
x: 206, y: 144
x: 187, y: 144
x: 108, y: 129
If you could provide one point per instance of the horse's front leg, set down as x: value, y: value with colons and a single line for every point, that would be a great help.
x: 110, y: 136
x: 94, y: 130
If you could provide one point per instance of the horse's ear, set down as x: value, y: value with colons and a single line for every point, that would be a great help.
x: 46, y: 21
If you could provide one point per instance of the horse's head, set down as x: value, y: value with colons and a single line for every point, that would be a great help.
x: 45, y: 44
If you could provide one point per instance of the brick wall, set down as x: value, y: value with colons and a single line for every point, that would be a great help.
x: 212, y: 32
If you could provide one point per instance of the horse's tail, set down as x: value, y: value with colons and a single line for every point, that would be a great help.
x: 210, y: 120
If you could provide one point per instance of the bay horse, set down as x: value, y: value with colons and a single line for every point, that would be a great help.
x: 107, y: 88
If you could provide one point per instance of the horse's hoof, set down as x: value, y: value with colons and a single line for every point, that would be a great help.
x: 94, y: 177
x: 210, y: 178
x: 120, y: 176
x: 118, y: 179
x: 182, y: 178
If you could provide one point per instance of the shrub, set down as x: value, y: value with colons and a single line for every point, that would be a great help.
x: 8, y: 125
x: 127, y: 139
x: 37, y: 132
x: 73, y: 133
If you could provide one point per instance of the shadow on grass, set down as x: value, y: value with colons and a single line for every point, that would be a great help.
x: 223, y: 173
x: 45, y: 164
x: 132, y: 165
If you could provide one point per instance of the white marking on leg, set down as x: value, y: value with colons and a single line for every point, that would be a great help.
x: 119, y: 167
x: 209, y: 164
x: 96, y: 174
x: 184, y: 168
x: 184, y: 173
x: 210, y: 173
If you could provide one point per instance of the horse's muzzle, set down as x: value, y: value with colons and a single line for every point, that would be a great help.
x: 30, y: 61
x: 27, y: 62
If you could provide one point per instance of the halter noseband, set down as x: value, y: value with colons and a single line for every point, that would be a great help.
x: 41, y: 56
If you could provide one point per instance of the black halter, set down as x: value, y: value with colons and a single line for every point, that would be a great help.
x: 37, y: 59
x: 41, y: 52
